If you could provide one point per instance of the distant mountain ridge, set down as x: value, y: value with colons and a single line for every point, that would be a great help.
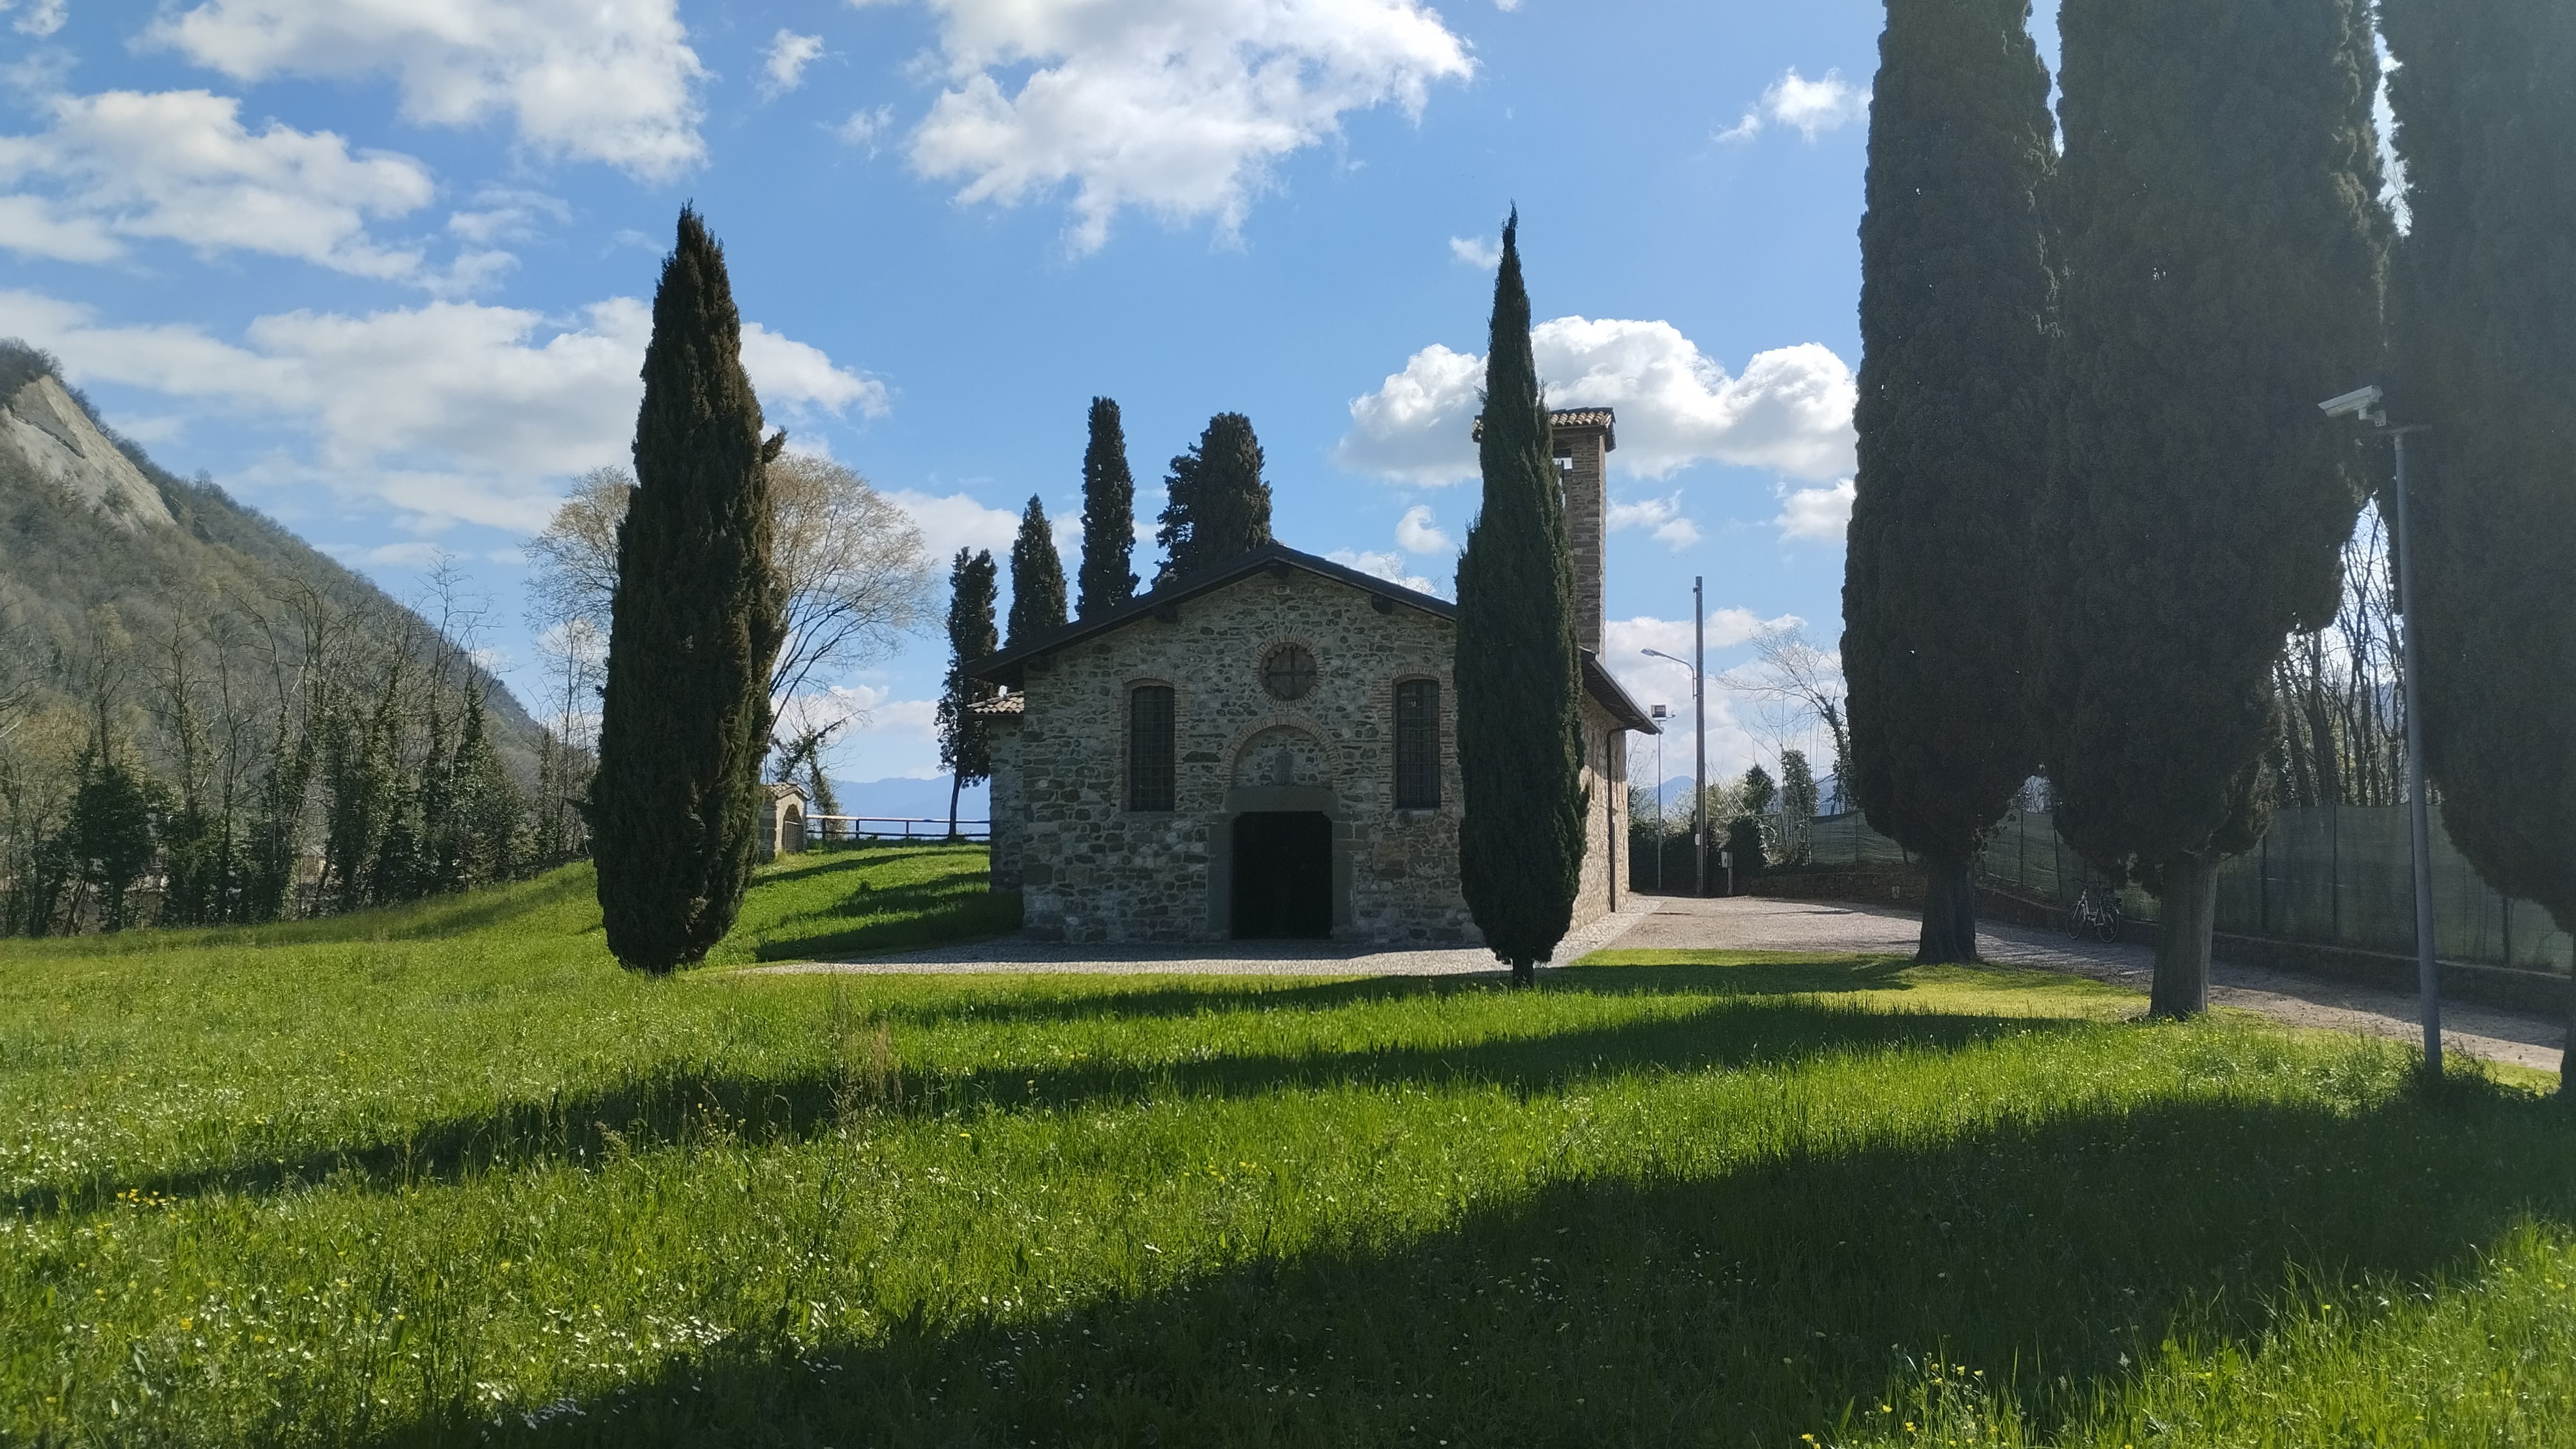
x: 88, y: 519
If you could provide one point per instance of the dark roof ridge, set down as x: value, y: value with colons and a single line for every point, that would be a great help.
x: 1008, y: 665
x: 1010, y: 660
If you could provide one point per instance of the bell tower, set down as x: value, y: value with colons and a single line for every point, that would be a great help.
x: 1581, y: 439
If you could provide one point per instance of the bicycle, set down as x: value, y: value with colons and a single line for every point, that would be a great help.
x: 2097, y: 912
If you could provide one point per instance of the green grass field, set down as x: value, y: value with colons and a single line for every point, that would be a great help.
x: 446, y: 1175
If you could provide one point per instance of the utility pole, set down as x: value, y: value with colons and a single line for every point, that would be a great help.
x: 1697, y: 664
x: 2369, y: 404
x: 1662, y: 714
x: 1699, y: 728
x: 2428, y: 977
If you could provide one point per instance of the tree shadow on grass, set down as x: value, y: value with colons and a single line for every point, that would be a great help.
x: 1746, y: 1307
x: 674, y: 1104
x: 1026, y: 1000
x: 841, y: 858
x: 894, y: 918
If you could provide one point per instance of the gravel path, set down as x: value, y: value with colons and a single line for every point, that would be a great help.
x: 1753, y: 923
x: 1249, y: 958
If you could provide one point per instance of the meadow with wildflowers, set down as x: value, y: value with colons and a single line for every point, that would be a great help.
x: 445, y: 1175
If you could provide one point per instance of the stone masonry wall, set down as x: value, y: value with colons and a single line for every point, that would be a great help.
x: 1605, y: 817
x: 1090, y: 870
x: 1008, y: 812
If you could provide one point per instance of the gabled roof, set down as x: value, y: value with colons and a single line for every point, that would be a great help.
x: 1010, y: 666
x: 1608, y: 693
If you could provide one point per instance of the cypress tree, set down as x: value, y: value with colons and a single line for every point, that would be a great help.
x: 965, y: 745
x: 693, y: 629
x: 1955, y: 312
x: 2486, y: 327
x: 1108, y: 514
x: 2223, y: 249
x: 1037, y: 577
x: 1519, y: 678
x: 1220, y: 505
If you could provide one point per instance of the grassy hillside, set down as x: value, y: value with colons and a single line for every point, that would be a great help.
x: 447, y: 1176
x: 61, y: 560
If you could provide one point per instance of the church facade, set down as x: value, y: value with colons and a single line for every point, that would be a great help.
x: 1267, y: 750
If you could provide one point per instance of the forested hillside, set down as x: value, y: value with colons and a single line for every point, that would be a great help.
x: 256, y: 730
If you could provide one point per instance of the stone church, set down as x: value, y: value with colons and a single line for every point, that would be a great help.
x: 1265, y: 750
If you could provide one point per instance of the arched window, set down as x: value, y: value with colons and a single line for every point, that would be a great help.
x: 1152, y: 778
x: 1417, y: 744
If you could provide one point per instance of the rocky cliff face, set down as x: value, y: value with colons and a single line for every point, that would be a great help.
x: 54, y: 438
x: 87, y: 525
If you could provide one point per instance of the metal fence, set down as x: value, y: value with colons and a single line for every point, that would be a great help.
x: 892, y: 827
x: 2337, y: 875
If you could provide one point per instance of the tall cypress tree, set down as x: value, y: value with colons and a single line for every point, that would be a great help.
x: 2223, y: 253
x: 1108, y: 514
x: 1956, y: 306
x: 1220, y: 504
x: 1519, y: 677
x: 693, y: 629
x: 965, y: 746
x: 1037, y: 577
x: 2486, y: 330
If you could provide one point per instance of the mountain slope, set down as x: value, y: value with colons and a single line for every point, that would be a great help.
x: 88, y: 520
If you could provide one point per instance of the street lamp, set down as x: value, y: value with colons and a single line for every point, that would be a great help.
x: 2369, y: 405
x: 1661, y: 714
x: 1697, y: 664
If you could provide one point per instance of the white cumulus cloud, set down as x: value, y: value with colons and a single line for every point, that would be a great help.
x: 1651, y: 681
x: 949, y: 522
x: 1418, y: 532
x: 598, y: 80
x: 1175, y: 107
x: 1389, y: 566
x: 43, y: 17
x: 783, y: 67
x: 502, y: 213
x: 1819, y: 514
x: 1809, y: 107
x: 1482, y: 255
x: 181, y: 166
x: 1660, y: 517
x: 452, y: 412
x: 1789, y: 411
x: 865, y: 128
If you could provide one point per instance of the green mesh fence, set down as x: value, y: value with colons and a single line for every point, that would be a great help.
x: 2339, y: 875
x: 1846, y: 840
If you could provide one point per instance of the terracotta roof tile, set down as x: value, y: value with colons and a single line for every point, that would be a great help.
x: 1606, y: 419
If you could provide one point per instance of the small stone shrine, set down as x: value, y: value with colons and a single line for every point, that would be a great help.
x: 1266, y: 750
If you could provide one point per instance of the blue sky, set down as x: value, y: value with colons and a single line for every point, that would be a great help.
x: 380, y: 266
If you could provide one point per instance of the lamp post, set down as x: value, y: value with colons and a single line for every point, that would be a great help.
x: 1697, y: 664
x: 2368, y: 404
x: 1661, y: 714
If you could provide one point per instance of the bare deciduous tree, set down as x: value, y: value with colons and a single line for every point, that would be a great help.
x: 1798, y: 683
x: 857, y: 577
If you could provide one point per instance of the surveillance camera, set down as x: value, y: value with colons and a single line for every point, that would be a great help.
x: 2361, y: 402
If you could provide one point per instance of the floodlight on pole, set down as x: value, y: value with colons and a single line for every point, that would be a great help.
x: 2369, y: 405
